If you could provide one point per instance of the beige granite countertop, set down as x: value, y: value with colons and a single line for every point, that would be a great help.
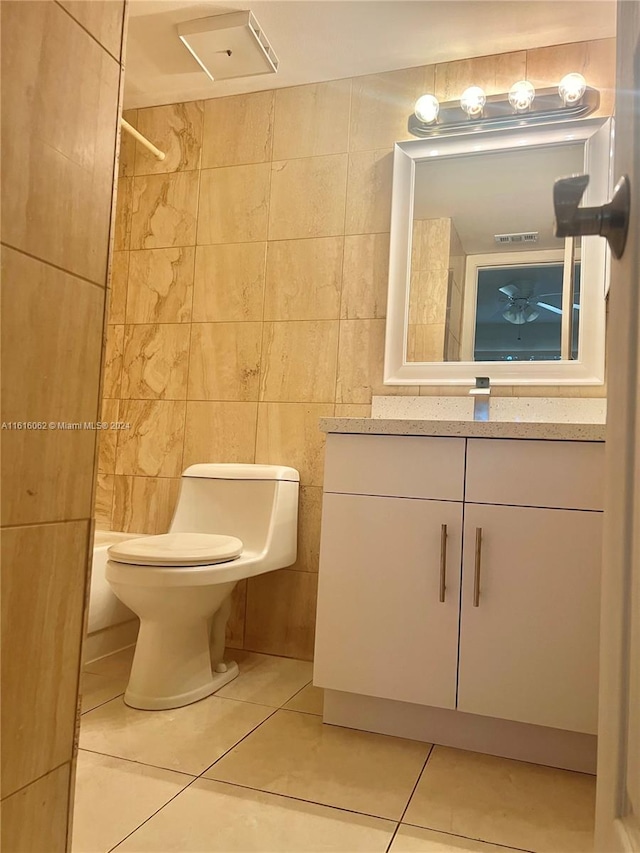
x: 466, y: 429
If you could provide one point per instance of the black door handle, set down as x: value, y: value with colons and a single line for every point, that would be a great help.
x: 610, y: 221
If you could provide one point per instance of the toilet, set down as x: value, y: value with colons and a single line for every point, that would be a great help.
x: 231, y: 522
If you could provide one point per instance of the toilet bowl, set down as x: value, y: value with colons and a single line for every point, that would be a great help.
x: 231, y: 522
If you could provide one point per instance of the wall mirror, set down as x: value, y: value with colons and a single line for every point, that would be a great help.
x: 478, y: 283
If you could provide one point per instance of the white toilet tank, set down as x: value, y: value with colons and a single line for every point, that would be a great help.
x: 256, y: 503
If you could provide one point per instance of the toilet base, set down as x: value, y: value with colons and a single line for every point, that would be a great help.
x: 153, y: 703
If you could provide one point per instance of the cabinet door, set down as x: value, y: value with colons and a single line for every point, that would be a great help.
x: 382, y: 629
x: 529, y: 650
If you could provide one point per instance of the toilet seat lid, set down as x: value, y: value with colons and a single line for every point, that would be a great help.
x: 177, y: 549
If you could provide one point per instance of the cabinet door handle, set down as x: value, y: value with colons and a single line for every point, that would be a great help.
x: 443, y: 561
x: 476, y: 575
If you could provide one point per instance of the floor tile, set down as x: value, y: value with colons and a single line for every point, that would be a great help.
x: 266, y: 679
x: 187, y: 739
x: 117, y: 664
x: 413, y: 839
x: 97, y: 689
x: 310, y: 700
x: 222, y: 818
x: 113, y: 797
x: 505, y: 802
x: 296, y: 755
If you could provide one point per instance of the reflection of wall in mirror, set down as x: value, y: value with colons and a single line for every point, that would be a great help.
x: 436, y: 291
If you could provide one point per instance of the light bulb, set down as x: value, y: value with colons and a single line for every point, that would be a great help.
x: 521, y: 96
x: 472, y: 101
x: 427, y: 108
x: 572, y: 88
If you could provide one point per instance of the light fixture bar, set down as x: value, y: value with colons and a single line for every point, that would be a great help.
x: 498, y: 113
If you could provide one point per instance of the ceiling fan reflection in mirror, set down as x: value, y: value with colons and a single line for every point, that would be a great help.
x: 521, y: 304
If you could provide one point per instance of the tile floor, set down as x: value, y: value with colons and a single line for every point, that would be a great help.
x: 253, y: 770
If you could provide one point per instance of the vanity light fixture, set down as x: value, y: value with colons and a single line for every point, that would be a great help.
x: 472, y: 101
x: 571, y: 89
x: 522, y: 106
x: 521, y: 96
x: 427, y: 109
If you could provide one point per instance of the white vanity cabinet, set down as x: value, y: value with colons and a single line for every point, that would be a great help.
x: 516, y: 636
x: 386, y: 632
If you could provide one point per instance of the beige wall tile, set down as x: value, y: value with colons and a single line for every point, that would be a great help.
x: 312, y: 120
x: 152, y: 446
x: 308, y: 197
x: 281, y: 613
x: 220, y: 432
x: 155, y: 361
x: 304, y: 279
x: 225, y: 361
x: 44, y: 569
x: 430, y: 244
x: 164, y: 210
x: 428, y: 296
x: 144, y: 504
x: 119, y: 273
x: 238, y: 130
x: 288, y: 434
x: 365, y: 277
x: 124, y: 211
x: 234, y: 204
x: 360, y: 359
x: 353, y: 410
x: 176, y: 129
x: 360, y: 363
x: 160, y: 286
x: 108, y: 438
x: 299, y: 361
x: 596, y: 60
x: 309, y: 519
x: 426, y: 342
x: 127, y: 155
x: 369, y: 192
x: 103, y: 510
x: 495, y: 74
x: 229, y: 282
x: 103, y: 19
x: 35, y: 819
x: 58, y: 151
x: 47, y: 474
x: 382, y: 104
x: 112, y: 364
x: 235, y: 625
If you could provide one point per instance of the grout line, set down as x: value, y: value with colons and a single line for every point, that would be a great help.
x: 255, y: 728
x: 395, y: 832
x: 103, y: 287
x: 106, y: 701
x: 469, y: 838
x: 91, y: 35
x: 299, y: 799
x: 37, y: 779
x: 413, y: 790
x: 191, y: 776
x: 181, y: 791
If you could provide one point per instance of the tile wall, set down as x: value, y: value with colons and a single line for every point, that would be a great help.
x: 248, y: 293
x: 60, y: 90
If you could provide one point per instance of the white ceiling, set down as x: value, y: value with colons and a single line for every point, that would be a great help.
x: 319, y: 40
x: 508, y: 192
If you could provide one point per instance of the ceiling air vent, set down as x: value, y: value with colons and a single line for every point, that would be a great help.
x: 231, y: 45
x: 525, y: 237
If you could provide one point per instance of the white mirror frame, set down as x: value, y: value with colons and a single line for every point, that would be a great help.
x: 588, y: 368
